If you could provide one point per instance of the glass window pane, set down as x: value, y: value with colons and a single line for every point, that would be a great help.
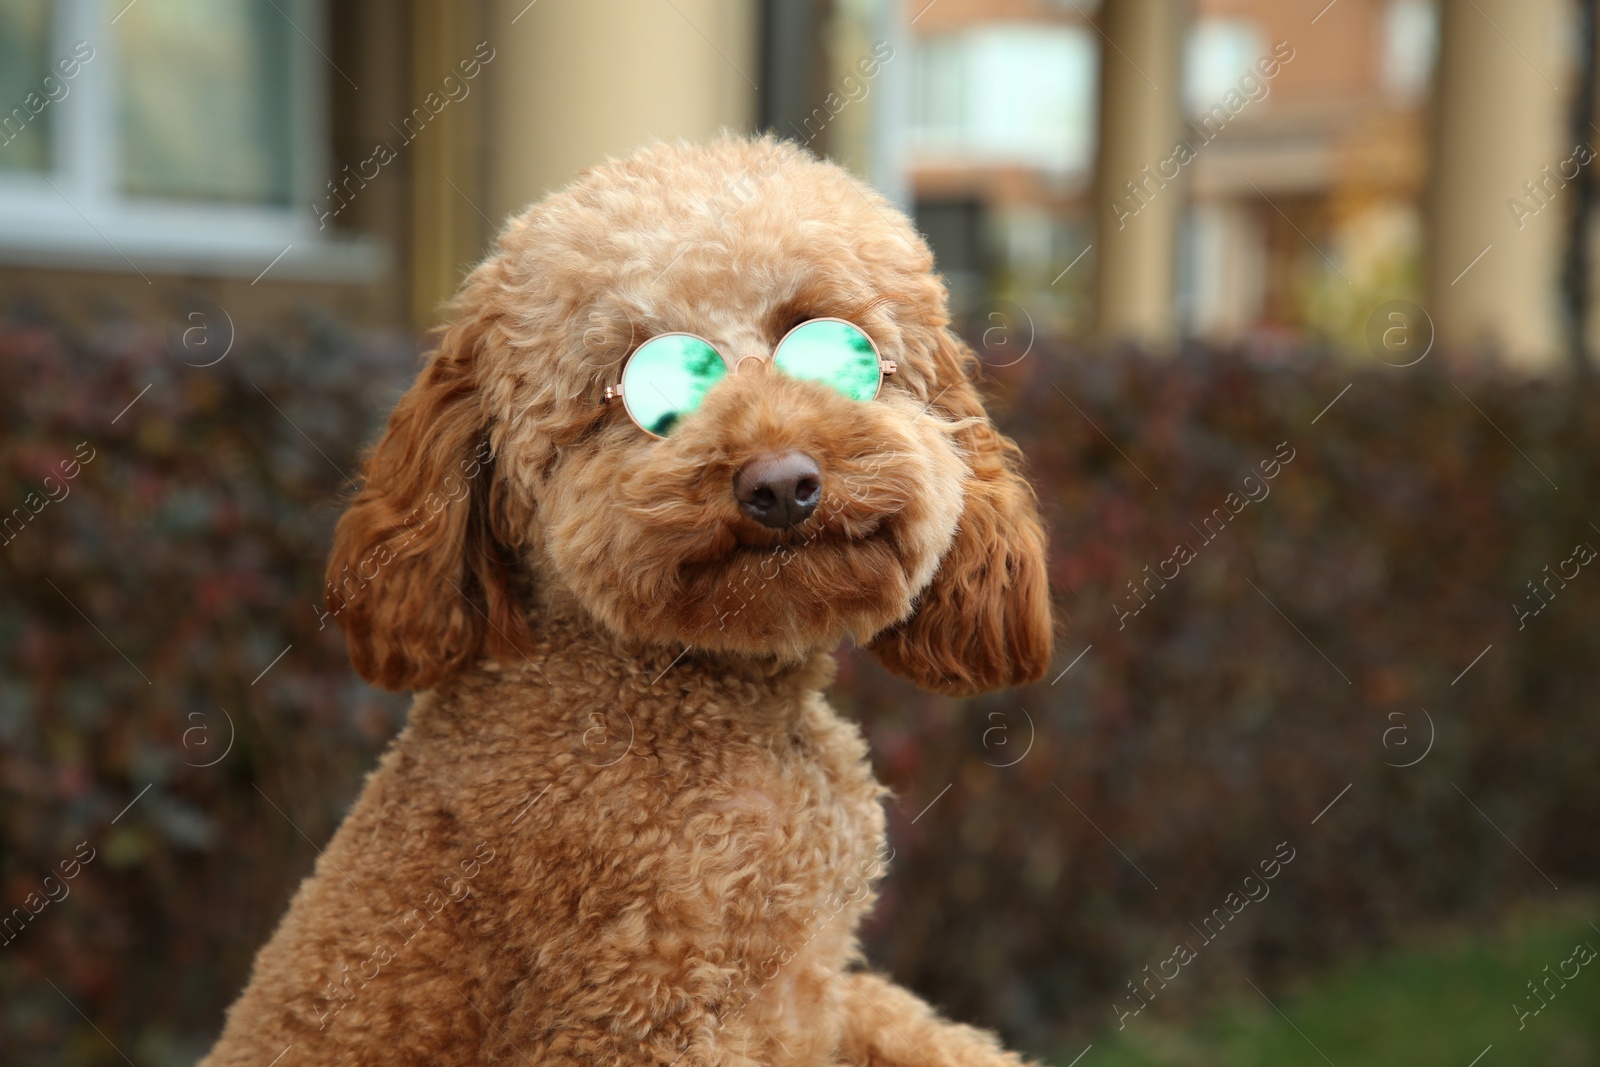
x: 1218, y: 52
x: 1006, y: 92
x: 25, y: 94
x: 206, y: 100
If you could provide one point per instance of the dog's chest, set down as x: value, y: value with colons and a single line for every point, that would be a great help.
x: 777, y: 854
x: 791, y: 846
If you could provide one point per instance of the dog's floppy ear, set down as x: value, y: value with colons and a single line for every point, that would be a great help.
x: 417, y: 579
x: 984, y: 621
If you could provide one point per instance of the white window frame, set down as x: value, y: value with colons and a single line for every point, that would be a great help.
x: 75, y: 215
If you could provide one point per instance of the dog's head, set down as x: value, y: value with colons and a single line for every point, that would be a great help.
x: 774, y: 519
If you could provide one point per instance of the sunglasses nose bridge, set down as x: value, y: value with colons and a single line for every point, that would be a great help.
x: 749, y: 358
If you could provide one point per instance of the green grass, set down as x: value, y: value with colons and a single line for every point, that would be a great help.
x: 1439, y: 1003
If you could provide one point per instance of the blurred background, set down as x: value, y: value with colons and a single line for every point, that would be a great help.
x: 1287, y: 301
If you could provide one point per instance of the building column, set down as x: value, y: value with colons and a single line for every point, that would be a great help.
x: 448, y: 232
x: 1136, y: 207
x: 1495, y: 217
x: 575, y: 81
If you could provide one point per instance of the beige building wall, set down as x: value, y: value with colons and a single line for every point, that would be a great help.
x: 579, y: 80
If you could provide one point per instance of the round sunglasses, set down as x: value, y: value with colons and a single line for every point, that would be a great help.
x: 669, y: 375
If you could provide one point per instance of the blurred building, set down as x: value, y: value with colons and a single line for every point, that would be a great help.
x: 349, y: 157
x: 1143, y: 169
x: 1150, y: 169
x: 1332, y: 143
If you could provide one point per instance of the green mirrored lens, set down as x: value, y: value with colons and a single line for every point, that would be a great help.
x: 833, y: 352
x: 667, y: 377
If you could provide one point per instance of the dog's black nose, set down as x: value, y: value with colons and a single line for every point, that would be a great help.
x: 779, y: 489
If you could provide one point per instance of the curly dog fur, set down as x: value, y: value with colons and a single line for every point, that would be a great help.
x: 622, y: 825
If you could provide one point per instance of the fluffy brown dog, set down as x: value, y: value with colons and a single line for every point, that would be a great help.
x: 623, y: 827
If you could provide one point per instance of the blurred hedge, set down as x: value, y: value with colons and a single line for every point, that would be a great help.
x: 1195, y: 739
x: 1223, y: 718
x: 193, y: 541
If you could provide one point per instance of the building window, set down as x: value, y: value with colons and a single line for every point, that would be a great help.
x: 167, y: 135
x: 202, y: 88
x: 24, y: 63
x: 1410, y: 44
x: 1219, y: 51
x: 1003, y: 93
